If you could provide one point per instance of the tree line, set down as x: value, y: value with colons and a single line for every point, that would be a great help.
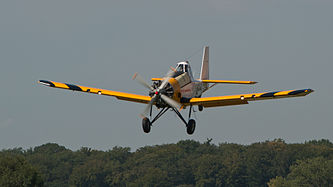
x: 183, y: 164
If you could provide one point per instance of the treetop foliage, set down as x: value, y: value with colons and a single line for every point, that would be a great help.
x: 186, y: 163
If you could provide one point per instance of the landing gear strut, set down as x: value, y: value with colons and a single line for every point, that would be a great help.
x: 146, y: 123
x: 190, y: 125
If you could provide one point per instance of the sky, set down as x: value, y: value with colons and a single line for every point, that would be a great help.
x: 281, y: 44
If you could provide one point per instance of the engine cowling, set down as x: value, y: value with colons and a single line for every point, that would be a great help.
x: 172, y: 88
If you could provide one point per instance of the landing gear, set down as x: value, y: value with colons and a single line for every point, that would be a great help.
x: 146, y: 125
x: 190, y: 126
x: 200, y: 108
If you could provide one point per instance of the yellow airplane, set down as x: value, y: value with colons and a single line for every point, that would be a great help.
x: 178, y: 90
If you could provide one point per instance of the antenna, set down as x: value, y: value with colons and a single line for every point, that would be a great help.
x: 195, y: 53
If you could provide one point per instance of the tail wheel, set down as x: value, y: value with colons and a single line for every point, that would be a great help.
x: 200, y: 108
x: 190, y: 126
x: 146, y: 125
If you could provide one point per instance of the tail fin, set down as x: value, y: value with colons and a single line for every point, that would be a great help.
x: 204, y: 75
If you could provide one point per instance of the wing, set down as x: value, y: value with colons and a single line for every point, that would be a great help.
x: 244, y: 98
x: 118, y: 95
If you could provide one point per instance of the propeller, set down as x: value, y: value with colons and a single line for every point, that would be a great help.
x: 148, y: 107
x: 171, y: 102
x: 158, y: 92
x: 137, y: 77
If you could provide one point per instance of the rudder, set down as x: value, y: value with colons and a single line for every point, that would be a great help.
x: 204, y: 75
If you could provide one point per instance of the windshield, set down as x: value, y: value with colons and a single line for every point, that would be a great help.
x: 186, y: 68
x: 180, y: 68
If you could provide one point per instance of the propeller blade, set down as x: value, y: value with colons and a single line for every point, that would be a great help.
x: 168, y: 76
x: 173, y: 69
x: 137, y: 77
x: 171, y: 72
x: 165, y: 81
x: 148, y: 107
x: 170, y: 101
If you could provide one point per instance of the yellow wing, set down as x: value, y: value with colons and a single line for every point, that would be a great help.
x: 118, y: 95
x: 244, y: 98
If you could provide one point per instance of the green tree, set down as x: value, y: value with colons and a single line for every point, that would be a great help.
x: 320, y: 142
x: 186, y: 163
x: 169, y: 159
x: 15, y: 171
x: 54, y: 162
x: 91, y: 174
x: 307, y: 173
x: 234, y: 163
x: 210, y: 171
x: 262, y: 162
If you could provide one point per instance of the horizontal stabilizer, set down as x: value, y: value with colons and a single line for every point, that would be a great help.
x: 228, y: 82
x: 156, y: 79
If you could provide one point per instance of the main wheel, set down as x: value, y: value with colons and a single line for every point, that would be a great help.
x: 146, y: 125
x: 190, y: 126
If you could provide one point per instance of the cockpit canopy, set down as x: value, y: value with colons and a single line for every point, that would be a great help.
x: 184, y: 67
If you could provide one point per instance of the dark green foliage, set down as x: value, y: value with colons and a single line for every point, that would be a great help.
x: 306, y: 173
x: 186, y: 163
x: 15, y: 171
x: 54, y: 162
x: 320, y: 142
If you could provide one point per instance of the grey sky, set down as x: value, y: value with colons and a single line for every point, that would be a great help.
x: 281, y: 44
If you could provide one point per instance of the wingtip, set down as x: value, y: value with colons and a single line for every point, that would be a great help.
x: 302, y: 92
x: 309, y: 90
x: 46, y: 83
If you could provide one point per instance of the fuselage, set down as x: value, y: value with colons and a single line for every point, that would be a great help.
x: 181, y: 85
x: 194, y: 88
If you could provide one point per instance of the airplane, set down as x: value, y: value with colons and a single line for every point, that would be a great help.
x: 179, y: 90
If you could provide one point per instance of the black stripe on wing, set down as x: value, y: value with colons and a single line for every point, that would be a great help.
x: 74, y: 87
x: 269, y: 94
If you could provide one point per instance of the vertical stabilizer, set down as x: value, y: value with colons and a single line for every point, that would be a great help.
x: 204, y: 75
